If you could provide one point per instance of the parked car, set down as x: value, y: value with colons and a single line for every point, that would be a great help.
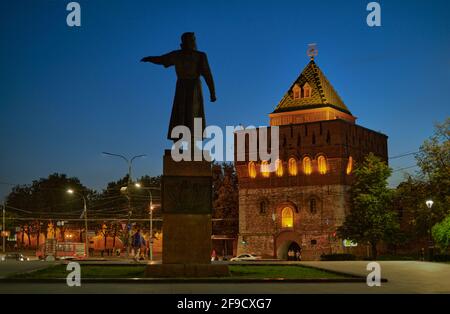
x: 14, y: 256
x: 245, y: 257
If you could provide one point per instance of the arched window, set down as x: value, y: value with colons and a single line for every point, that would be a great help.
x: 349, y: 165
x: 296, y: 91
x: 307, y: 169
x: 265, y: 169
x: 313, y: 206
x: 287, y: 218
x: 322, y: 163
x: 292, y: 166
x: 279, y: 168
x: 306, y: 91
x: 252, y: 170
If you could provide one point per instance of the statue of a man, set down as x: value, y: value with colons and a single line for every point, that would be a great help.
x: 189, y: 64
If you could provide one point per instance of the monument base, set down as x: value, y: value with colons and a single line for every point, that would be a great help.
x: 186, y: 270
x: 186, y: 239
x: 187, y: 227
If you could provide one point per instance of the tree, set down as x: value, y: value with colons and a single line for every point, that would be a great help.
x: 431, y: 182
x: 370, y: 219
x: 409, y: 201
x: 225, y: 199
x: 441, y: 234
x: 117, y: 202
x: 434, y: 162
x: 45, y: 200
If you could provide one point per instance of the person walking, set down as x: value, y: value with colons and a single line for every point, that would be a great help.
x: 137, y: 244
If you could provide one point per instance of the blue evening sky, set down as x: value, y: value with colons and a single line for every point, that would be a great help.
x: 67, y: 94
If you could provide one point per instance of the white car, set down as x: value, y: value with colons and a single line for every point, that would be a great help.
x: 245, y: 257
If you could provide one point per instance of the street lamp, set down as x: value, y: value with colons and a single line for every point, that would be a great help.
x: 274, y: 219
x: 130, y: 163
x: 3, y: 227
x: 139, y: 186
x: 429, y: 203
x: 70, y: 191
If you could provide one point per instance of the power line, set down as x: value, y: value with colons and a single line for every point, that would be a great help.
x: 405, y: 168
x: 125, y: 217
x: 18, y: 209
x: 405, y: 155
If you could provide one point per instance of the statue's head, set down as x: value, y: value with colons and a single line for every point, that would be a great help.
x: 188, y: 41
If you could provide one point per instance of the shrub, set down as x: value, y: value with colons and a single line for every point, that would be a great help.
x: 441, y: 258
x: 397, y: 258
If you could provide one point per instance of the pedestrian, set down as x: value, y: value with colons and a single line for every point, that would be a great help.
x: 290, y: 255
x: 142, y: 255
x: 136, y: 244
x: 298, y: 256
x: 213, y: 255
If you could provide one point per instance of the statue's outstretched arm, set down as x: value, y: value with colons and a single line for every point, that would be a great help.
x: 206, y: 73
x: 156, y: 60
x: 166, y: 60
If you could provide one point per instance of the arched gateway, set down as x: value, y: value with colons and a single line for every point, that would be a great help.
x: 287, y: 241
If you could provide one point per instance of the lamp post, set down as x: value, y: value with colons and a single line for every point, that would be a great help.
x: 274, y: 219
x: 149, y: 189
x: 70, y: 191
x: 3, y: 227
x: 429, y: 204
x: 129, y: 163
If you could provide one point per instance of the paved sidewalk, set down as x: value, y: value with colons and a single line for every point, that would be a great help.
x: 403, y: 276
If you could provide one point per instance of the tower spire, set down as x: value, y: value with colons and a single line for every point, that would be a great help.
x: 312, y: 51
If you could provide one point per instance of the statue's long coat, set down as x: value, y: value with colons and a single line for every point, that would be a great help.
x: 188, y: 99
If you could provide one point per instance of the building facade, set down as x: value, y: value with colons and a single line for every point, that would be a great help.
x: 300, y: 203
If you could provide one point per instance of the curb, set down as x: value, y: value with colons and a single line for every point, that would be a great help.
x: 186, y: 280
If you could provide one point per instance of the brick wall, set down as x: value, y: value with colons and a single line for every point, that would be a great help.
x: 260, y: 234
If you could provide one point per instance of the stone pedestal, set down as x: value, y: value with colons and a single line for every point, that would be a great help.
x: 187, y: 207
x: 186, y: 238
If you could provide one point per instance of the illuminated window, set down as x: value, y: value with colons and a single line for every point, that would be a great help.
x: 292, y: 165
x: 349, y: 165
x: 307, y: 169
x: 322, y: 163
x: 306, y: 91
x: 287, y: 217
x: 265, y: 169
x: 279, y: 168
x: 252, y: 170
x: 296, y: 90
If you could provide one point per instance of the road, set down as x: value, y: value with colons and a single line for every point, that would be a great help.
x: 11, y: 267
x: 403, y: 277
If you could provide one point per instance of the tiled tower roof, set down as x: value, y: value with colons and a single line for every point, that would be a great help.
x: 322, y: 93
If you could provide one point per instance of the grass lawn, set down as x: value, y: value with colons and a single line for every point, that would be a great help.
x: 87, y: 271
x: 237, y: 271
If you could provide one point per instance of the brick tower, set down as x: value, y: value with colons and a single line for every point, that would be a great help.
x: 299, y: 205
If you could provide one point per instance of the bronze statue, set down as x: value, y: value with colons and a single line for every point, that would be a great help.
x: 189, y: 64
